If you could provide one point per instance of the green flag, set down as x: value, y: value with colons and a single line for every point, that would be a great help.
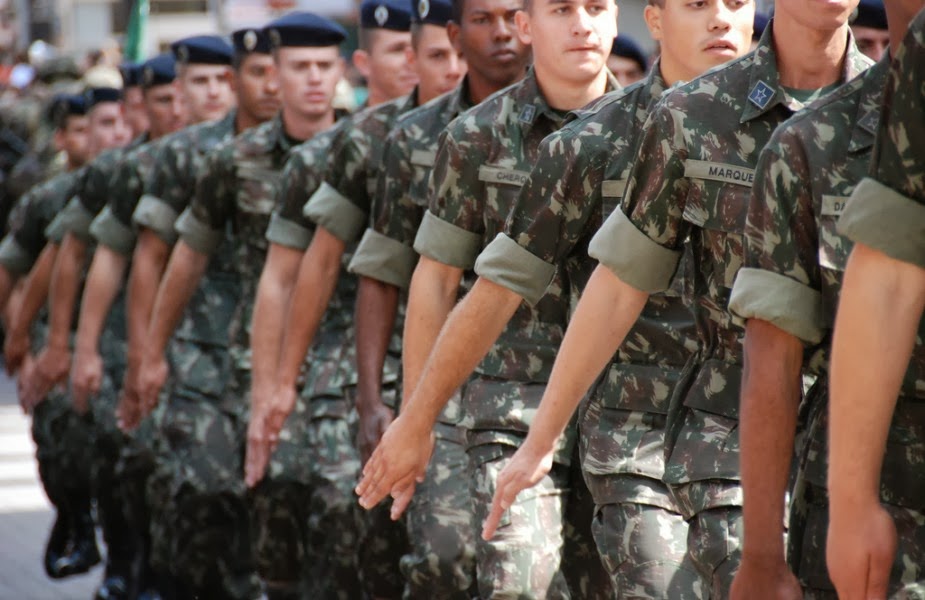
x: 135, y: 34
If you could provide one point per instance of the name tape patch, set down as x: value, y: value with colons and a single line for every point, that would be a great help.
x: 504, y: 176
x: 701, y: 169
x: 613, y: 188
x: 833, y: 206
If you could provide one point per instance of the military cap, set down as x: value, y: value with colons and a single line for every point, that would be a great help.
x: 761, y: 23
x: 432, y: 12
x: 159, y: 70
x: 131, y: 74
x: 98, y: 95
x: 386, y: 14
x: 304, y: 29
x: 63, y: 106
x: 870, y: 13
x: 626, y: 47
x: 203, y: 50
x: 249, y: 41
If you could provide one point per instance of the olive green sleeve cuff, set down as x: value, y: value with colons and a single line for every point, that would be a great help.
x: 510, y: 265
x: 56, y: 230
x: 14, y: 257
x: 784, y: 302
x: 446, y: 243
x: 197, y: 235
x: 113, y: 233
x: 75, y: 219
x: 287, y: 233
x: 330, y: 209
x: 381, y: 258
x: 882, y: 218
x: 158, y: 216
x: 633, y: 256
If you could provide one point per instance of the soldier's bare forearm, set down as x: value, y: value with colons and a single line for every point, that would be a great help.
x: 606, y: 312
x: 433, y: 293
x: 376, y: 307
x: 148, y: 264
x: 317, y: 279
x: 180, y: 281
x: 65, y: 281
x: 34, y: 292
x: 878, y: 315
x: 7, y: 283
x: 770, y: 400
x: 103, y: 282
x: 274, y: 293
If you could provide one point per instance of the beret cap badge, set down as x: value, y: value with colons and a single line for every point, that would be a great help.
x: 382, y: 14
x: 250, y: 40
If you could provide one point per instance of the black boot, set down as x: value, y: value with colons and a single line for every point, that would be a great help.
x: 82, y: 553
x: 56, y: 547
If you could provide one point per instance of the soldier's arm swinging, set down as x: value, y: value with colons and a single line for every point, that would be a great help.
x: 32, y: 298
x: 607, y: 310
x: 881, y: 304
x: 104, y: 279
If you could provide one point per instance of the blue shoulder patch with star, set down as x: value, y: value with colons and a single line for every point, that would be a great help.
x: 761, y: 95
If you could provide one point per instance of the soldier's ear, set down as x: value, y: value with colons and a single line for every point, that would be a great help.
x: 361, y: 62
x: 452, y: 31
x: 524, y: 27
x: 653, y: 16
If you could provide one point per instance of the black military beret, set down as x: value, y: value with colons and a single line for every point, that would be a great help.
x: 63, y: 106
x: 250, y: 41
x: 98, y: 95
x: 131, y: 74
x: 203, y: 50
x: 626, y: 47
x: 159, y: 70
x: 870, y: 13
x: 761, y: 23
x: 432, y: 12
x: 386, y: 14
x: 304, y: 29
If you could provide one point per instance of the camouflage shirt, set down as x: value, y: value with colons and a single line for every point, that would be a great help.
x: 885, y: 211
x: 483, y: 159
x: 688, y: 194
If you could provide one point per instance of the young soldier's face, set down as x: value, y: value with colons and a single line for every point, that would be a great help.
x: 206, y: 90
x: 626, y: 70
x: 697, y: 36
x: 258, y: 86
x: 438, y: 65
x: 108, y: 128
x: 135, y: 114
x: 571, y: 39
x: 74, y: 139
x: 874, y: 43
x: 166, y: 111
x: 388, y: 64
x: 308, y: 78
x: 488, y: 40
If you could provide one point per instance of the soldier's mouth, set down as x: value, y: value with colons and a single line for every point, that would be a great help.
x: 722, y: 46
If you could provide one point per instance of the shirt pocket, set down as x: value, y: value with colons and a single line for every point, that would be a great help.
x: 502, y: 187
x: 257, y: 189
x: 834, y: 248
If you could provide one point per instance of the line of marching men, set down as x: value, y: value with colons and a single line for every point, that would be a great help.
x: 239, y: 308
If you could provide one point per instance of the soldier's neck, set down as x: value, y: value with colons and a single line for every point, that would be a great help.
x: 569, y: 95
x: 807, y: 58
x: 300, y: 127
x: 481, y: 87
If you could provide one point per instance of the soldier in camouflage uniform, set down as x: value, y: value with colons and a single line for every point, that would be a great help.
x: 875, y: 454
x: 441, y: 562
x: 136, y: 114
x: 355, y: 150
x: 61, y: 436
x: 578, y: 181
x: 236, y: 188
x: 203, y: 535
x: 478, y: 170
x: 686, y: 198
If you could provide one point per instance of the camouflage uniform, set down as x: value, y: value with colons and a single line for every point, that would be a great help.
x: 204, y: 530
x: 62, y: 438
x: 579, y: 179
x: 480, y: 166
x: 441, y: 561
x: 687, y: 196
x: 342, y: 205
x: 237, y: 188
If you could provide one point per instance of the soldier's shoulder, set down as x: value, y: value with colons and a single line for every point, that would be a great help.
x: 727, y: 83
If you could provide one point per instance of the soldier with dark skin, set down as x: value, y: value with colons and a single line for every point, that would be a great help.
x: 478, y: 169
x: 237, y: 185
x: 874, y: 543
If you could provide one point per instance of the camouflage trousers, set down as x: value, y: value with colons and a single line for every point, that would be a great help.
x: 306, y: 518
x: 204, y: 526
x: 441, y: 560
x: 640, y: 534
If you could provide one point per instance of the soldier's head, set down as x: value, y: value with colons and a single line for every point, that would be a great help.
x: 135, y: 114
x: 164, y: 107
x: 255, y: 80
x: 815, y: 15
x: 697, y: 36
x: 870, y: 29
x: 204, y: 76
x: 382, y: 59
x: 486, y: 34
x: 69, y: 114
x: 571, y: 39
x: 627, y: 61
x: 105, y: 119
x: 308, y: 63
x: 438, y: 64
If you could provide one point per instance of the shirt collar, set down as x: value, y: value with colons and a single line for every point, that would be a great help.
x: 530, y: 104
x: 868, y: 116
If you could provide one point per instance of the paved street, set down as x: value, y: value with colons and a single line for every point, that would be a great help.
x: 26, y: 516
